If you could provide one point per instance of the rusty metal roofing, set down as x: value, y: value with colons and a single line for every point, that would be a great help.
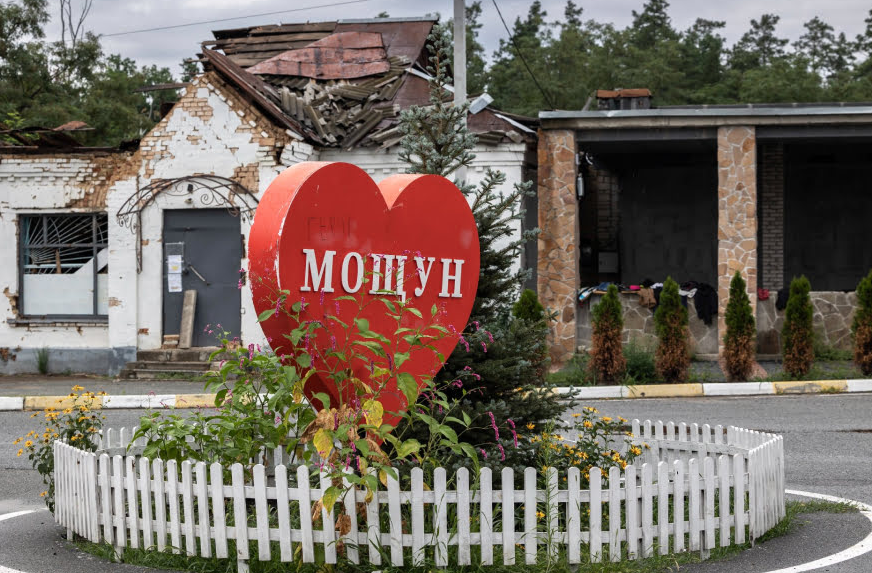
x: 338, y: 84
x: 346, y: 55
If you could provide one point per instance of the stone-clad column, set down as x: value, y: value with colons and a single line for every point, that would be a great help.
x: 558, y: 239
x: 737, y: 216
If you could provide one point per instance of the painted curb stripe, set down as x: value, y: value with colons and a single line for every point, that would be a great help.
x: 149, y: 401
x: 11, y: 403
x: 859, y: 385
x: 737, y: 388
x: 861, y: 548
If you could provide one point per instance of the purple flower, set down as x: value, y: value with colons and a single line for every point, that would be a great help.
x: 502, y: 452
x: 514, y: 433
x: 251, y: 351
x: 483, y: 453
x: 494, y: 425
x: 457, y: 384
x: 483, y: 346
x: 464, y: 342
x: 321, y: 298
x: 336, y: 306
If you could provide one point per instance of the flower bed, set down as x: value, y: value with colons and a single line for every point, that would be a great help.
x: 727, y: 483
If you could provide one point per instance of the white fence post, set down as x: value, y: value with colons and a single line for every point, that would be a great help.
x: 130, y: 501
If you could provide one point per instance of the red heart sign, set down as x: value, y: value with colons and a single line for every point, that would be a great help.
x: 325, y: 230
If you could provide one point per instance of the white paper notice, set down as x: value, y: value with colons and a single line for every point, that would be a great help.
x: 174, y: 264
x: 174, y: 282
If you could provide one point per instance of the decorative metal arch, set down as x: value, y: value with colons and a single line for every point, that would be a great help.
x: 208, y: 190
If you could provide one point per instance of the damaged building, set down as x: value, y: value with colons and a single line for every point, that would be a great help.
x: 631, y: 194
x: 103, y: 243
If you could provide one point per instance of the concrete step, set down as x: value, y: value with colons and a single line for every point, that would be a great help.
x: 155, y: 374
x: 200, y: 354
x: 197, y: 366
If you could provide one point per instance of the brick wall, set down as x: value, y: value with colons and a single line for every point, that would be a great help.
x: 772, y: 215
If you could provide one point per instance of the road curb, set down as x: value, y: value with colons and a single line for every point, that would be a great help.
x: 693, y: 390
x: 118, y: 402
x: 718, y: 389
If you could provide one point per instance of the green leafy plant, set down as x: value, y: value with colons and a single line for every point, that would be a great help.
x: 797, y: 333
x: 673, y: 353
x: 641, y: 368
x: 861, y: 327
x: 42, y: 360
x: 740, y: 338
x: 74, y: 422
x: 607, y: 355
x: 260, y: 401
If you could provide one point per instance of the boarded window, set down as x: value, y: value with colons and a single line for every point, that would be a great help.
x: 64, y: 265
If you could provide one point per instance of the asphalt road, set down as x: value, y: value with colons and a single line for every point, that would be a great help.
x: 827, y: 440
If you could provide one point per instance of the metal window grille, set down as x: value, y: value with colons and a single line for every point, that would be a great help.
x: 69, y: 253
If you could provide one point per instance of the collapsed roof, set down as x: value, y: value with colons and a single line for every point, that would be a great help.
x: 343, y: 83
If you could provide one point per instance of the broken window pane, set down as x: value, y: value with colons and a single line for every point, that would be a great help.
x: 64, y: 262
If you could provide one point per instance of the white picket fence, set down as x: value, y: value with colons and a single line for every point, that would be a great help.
x: 721, y: 487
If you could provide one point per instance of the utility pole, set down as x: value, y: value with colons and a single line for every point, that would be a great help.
x: 460, y: 63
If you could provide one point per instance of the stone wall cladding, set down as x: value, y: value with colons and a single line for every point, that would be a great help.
x: 737, y: 214
x: 639, y: 325
x: 833, y: 314
x: 772, y: 215
x: 558, y: 240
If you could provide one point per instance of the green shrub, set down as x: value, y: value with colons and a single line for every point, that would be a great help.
x: 528, y: 307
x: 797, y: 333
x: 576, y: 372
x: 739, y: 340
x: 607, y: 355
x: 862, y: 326
x: 824, y: 352
x: 42, y: 360
x: 673, y: 350
x: 641, y: 368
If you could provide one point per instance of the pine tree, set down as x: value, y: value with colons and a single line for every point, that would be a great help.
x: 797, y: 334
x: 739, y: 340
x: 862, y: 326
x: 670, y: 320
x: 506, y: 353
x: 607, y: 353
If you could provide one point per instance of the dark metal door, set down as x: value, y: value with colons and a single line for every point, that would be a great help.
x: 211, y: 254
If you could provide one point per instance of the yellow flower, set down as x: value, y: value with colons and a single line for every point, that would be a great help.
x: 539, y: 515
x: 588, y: 424
x: 68, y: 410
x: 623, y: 464
x: 101, y: 393
x: 43, y: 494
x: 21, y: 451
x: 28, y: 443
x: 635, y: 450
x: 647, y: 447
x: 16, y: 442
x: 531, y: 425
x: 34, y: 415
x: 623, y: 420
x: 591, y: 409
x: 576, y: 415
x: 630, y: 435
x: 607, y: 419
x: 78, y: 388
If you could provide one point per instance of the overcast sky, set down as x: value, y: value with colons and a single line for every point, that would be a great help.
x: 169, y: 47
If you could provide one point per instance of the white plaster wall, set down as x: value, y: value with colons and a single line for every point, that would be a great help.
x: 186, y: 145
x: 34, y: 185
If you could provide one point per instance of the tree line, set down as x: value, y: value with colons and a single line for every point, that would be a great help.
x: 47, y: 83
x: 573, y: 56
